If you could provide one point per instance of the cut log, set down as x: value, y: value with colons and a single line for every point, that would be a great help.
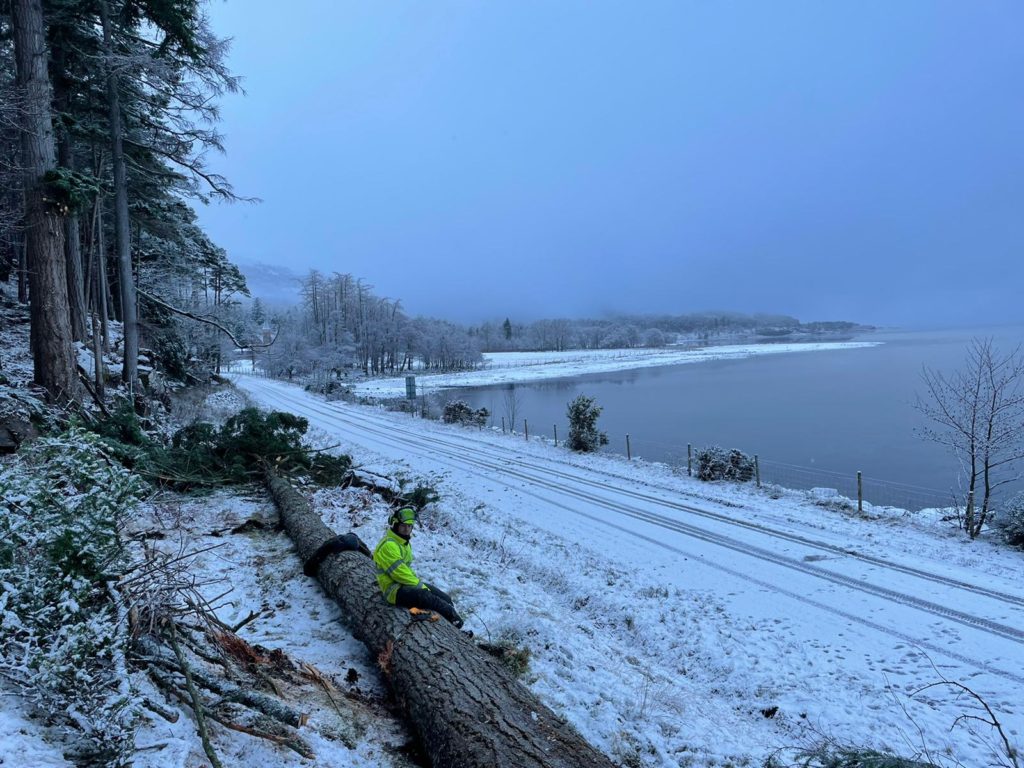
x: 465, y: 706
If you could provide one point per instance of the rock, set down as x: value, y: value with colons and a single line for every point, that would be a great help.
x: 13, y: 432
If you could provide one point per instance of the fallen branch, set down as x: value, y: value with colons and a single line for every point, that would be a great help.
x: 197, y: 704
x: 318, y: 677
x: 253, y: 615
x: 228, y: 692
x: 92, y: 393
x: 992, y: 721
x: 293, y: 743
x: 167, y: 714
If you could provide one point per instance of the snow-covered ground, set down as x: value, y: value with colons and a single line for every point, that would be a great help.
x: 675, y: 623
x: 679, y: 623
x: 516, y: 367
x: 257, y: 571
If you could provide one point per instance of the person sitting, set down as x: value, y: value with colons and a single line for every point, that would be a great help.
x: 398, y: 581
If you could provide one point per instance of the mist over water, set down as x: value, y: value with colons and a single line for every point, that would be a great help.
x: 836, y: 411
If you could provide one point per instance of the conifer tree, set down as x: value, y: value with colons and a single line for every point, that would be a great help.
x: 584, y: 435
x: 53, y: 361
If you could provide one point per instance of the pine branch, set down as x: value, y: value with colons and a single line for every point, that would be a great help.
x: 214, y: 323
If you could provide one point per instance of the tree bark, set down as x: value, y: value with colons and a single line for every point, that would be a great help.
x: 468, y: 709
x: 122, y: 230
x: 73, y: 257
x: 66, y: 159
x: 102, y: 284
x: 22, y: 271
x: 52, y: 356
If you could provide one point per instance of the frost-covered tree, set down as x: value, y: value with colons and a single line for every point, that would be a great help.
x: 584, y: 435
x: 653, y: 337
x: 977, y: 412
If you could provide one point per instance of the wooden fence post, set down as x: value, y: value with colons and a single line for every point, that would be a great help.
x: 526, y: 429
x: 629, y: 454
x: 860, y: 493
x: 555, y: 427
x: 757, y: 470
x: 503, y: 425
x: 689, y: 459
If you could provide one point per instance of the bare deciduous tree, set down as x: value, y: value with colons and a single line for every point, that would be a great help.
x: 511, y: 406
x: 978, y: 413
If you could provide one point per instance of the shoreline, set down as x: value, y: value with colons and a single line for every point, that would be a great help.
x: 527, y: 367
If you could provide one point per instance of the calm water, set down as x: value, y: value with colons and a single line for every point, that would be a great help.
x: 839, y: 411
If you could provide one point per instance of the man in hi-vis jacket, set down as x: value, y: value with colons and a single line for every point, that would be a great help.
x: 398, y: 581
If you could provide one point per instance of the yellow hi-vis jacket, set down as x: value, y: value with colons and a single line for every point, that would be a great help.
x: 393, y: 557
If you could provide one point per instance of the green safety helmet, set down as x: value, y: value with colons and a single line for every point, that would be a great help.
x: 404, y: 515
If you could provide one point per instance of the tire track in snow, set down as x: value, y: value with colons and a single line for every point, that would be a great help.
x: 832, y: 549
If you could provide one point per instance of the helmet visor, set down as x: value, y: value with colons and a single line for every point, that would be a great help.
x: 406, y: 515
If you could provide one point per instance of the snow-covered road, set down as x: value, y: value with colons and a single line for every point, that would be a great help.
x: 834, y: 620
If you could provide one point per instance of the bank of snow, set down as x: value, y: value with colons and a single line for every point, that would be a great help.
x: 518, y: 367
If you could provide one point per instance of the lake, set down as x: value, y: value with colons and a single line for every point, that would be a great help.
x: 813, y: 418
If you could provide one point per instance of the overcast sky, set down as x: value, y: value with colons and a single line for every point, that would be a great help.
x: 830, y: 160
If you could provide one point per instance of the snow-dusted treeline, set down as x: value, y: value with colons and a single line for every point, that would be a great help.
x: 633, y: 331
x: 342, y: 324
x: 107, y: 113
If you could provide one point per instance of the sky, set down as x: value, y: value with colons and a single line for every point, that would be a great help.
x: 841, y: 160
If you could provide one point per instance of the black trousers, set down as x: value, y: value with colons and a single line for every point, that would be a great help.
x: 429, y: 599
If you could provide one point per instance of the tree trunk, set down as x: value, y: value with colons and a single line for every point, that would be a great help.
x: 22, y: 270
x: 66, y: 159
x: 52, y: 357
x: 122, y: 231
x: 97, y: 355
x: 102, y: 284
x: 73, y: 254
x: 468, y: 709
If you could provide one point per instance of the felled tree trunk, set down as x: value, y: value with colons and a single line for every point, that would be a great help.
x: 468, y: 709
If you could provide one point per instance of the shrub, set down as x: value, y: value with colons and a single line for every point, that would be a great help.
x: 714, y: 463
x: 584, y: 435
x: 1010, y: 520
x: 61, y: 636
x: 459, y: 412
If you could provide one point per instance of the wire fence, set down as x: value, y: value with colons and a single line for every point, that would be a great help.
x: 871, y: 490
x: 854, y: 486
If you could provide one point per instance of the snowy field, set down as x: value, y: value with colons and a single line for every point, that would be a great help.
x: 518, y: 367
x: 677, y: 623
